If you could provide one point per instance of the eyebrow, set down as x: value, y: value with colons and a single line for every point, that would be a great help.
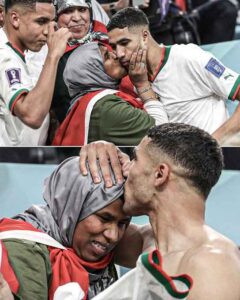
x: 45, y: 19
x: 112, y: 217
x: 120, y: 41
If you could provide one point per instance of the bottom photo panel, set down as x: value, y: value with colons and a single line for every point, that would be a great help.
x: 101, y: 222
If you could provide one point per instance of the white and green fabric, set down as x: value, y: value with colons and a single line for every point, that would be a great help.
x: 148, y: 281
x: 193, y: 86
x: 15, y: 80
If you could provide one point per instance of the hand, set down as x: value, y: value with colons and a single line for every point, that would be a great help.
x: 145, y: 4
x: 228, y: 134
x: 138, y: 68
x: 105, y: 152
x: 5, y: 292
x: 57, y: 40
x: 121, y: 4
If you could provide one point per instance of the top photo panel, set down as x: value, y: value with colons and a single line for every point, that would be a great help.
x: 77, y: 71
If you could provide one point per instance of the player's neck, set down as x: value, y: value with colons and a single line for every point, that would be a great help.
x: 177, y: 220
x: 13, y: 38
x: 153, y: 57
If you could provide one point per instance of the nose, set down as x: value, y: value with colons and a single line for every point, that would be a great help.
x: 111, y: 233
x: 120, y: 52
x: 76, y: 15
x: 45, y: 29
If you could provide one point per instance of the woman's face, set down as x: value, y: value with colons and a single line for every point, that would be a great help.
x: 111, y: 64
x: 98, y: 234
x: 76, y: 19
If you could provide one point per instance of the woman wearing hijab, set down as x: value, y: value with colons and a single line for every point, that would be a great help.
x: 79, y: 16
x: 99, y: 111
x: 70, y: 239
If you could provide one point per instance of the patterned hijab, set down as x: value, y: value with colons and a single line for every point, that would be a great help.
x: 70, y: 198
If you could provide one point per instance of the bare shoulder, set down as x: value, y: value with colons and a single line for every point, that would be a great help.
x: 215, y: 269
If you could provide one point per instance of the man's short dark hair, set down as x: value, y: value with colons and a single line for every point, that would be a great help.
x: 30, y: 4
x: 128, y: 17
x: 191, y: 148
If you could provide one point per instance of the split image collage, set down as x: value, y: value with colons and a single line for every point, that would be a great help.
x: 119, y: 149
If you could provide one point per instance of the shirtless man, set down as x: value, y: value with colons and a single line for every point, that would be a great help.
x: 169, y: 180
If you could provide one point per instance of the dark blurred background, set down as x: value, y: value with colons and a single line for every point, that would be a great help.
x: 54, y: 155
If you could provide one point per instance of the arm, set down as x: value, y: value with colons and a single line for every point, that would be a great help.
x: 136, y: 240
x: 115, y: 6
x: 118, y: 122
x: 32, y: 108
x: 229, y: 133
x: 106, y: 153
x: 31, y: 265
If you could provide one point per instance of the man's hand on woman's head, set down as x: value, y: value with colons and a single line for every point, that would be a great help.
x: 106, y: 153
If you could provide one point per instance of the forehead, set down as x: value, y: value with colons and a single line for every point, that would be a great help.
x: 45, y: 10
x: 115, y: 209
x: 73, y: 8
x: 118, y: 34
x: 141, y: 148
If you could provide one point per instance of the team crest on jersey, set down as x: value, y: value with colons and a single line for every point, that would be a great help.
x: 13, y: 76
x: 214, y: 67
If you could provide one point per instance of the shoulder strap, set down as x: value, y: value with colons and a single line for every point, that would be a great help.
x: 38, y: 237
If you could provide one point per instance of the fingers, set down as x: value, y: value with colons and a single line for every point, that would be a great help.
x: 115, y: 160
x: 144, y: 54
x: 139, y: 56
x: 138, y: 59
x: 83, y: 155
x: 105, y: 153
x: 89, y: 153
x: 133, y: 60
x: 125, y: 163
x: 51, y: 28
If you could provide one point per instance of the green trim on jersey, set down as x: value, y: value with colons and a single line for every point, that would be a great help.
x: 16, y: 51
x: 166, y: 56
x: 15, y: 96
x: 161, y: 277
x: 234, y: 89
x: 167, y: 50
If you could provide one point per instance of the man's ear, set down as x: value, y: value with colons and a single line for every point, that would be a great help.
x: 145, y: 35
x: 161, y: 174
x: 15, y: 19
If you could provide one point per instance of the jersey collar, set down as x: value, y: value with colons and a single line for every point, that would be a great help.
x: 163, y: 60
x: 17, y: 50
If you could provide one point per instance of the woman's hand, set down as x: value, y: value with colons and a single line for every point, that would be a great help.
x: 138, y: 69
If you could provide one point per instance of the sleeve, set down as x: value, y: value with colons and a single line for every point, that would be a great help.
x: 156, y: 110
x: 117, y: 121
x: 99, y: 13
x: 14, y: 81
x: 31, y: 264
x: 223, y: 81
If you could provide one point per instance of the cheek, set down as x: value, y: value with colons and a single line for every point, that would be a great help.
x: 63, y: 21
x: 121, y: 233
x: 86, y: 17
